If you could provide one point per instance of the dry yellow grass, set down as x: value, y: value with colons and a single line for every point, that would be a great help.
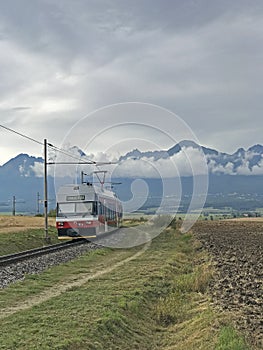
x: 246, y: 219
x: 21, y: 223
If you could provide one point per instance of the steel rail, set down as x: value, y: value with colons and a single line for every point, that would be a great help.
x: 27, y: 254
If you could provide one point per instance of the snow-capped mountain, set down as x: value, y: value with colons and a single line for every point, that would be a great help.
x: 21, y: 166
x: 241, y: 162
x: 240, y: 172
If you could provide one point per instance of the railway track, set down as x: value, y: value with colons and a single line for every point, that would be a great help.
x: 27, y: 254
x: 16, y: 266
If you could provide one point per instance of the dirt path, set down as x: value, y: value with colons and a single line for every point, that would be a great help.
x: 58, y: 289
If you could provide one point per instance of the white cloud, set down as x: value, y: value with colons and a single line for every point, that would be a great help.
x: 187, y: 162
x: 38, y: 169
x: 228, y: 169
x: 244, y: 169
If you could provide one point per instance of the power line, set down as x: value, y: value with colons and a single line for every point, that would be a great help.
x: 70, y: 154
x: 81, y: 159
x: 49, y: 144
x: 22, y: 135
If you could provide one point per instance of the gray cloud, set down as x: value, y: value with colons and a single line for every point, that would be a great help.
x: 63, y: 59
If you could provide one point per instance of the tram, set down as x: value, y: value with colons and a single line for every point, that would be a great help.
x: 86, y: 211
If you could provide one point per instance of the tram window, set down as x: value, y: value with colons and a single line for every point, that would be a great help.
x: 101, y: 209
x: 111, y: 214
x: 76, y: 208
x: 95, y: 208
x: 108, y: 210
x: 107, y: 213
x: 84, y: 208
x: 66, y: 208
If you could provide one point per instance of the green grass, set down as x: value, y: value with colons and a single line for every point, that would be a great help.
x: 133, y: 221
x: 229, y: 339
x: 156, y: 301
x: 29, y: 239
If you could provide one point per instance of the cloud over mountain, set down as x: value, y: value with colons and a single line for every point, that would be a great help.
x: 163, y: 171
x: 187, y: 158
x: 184, y: 159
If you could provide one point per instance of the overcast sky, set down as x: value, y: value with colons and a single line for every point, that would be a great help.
x: 61, y: 60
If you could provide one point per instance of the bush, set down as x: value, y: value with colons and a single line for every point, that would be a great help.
x: 173, y: 223
x: 52, y: 213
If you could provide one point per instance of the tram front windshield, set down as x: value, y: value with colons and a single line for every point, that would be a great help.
x: 76, y: 209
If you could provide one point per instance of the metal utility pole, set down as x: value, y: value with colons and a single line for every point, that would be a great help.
x: 14, y: 205
x: 38, y: 200
x: 45, y: 192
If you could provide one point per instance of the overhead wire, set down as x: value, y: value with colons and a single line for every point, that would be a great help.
x: 80, y: 162
x: 57, y: 149
x: 22, y: 135
x: 90, y: 162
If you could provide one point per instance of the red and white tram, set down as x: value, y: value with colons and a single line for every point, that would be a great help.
x: 86, y: 210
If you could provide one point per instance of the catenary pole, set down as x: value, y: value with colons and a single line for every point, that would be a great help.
x: 38, y: 200
x: 14, y: 205
x: 45, y: 192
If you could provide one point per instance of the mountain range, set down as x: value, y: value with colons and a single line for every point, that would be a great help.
x: 241, y: 162
x: 240, y: 173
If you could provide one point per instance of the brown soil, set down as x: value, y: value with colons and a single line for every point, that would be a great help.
x: 237, y: 286
x: 21, y: 223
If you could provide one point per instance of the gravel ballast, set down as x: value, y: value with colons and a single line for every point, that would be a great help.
x: 17, y: 271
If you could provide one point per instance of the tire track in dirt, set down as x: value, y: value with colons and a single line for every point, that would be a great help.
x: 59, y: 289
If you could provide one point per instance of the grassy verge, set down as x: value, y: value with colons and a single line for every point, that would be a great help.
x: 156, y: 301
x: 14, y: 242
x: 229, y: 338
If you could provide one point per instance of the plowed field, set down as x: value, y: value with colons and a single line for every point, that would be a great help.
x: 237, y: 251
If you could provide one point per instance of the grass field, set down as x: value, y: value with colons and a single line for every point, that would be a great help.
x: 151, y: 297
x: 20, y: 223
x: 19, y: 233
